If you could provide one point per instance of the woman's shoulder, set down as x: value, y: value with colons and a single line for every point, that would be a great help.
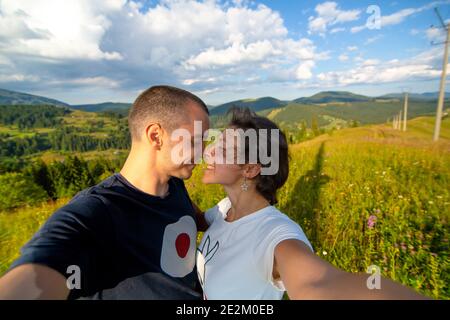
x: 276, y: 226
x: 274, y: 217
x: 219, y: 210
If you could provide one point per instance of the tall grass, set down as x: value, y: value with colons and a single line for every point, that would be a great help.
x: 18, y: 226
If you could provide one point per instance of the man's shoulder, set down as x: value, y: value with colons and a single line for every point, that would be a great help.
x: 90, y: 202
x: 99, y: 188
x: 95, y: 195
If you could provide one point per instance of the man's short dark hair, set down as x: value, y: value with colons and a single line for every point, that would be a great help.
x: 165, y: 104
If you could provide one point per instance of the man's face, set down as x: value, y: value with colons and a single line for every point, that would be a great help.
x: 183, y: 147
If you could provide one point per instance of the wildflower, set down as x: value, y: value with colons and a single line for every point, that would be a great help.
x: 371, y: 221
x: 324, y: 252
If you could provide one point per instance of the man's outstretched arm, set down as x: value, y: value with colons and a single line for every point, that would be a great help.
x: 306, y: 276
x: 72, y: 236
x: 33, y: 281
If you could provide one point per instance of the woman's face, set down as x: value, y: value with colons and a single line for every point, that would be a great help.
x: 221, y: 169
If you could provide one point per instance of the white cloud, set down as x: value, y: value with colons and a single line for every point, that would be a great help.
x: 328, y: 14
x: 303, y: 71
x: 399, y: 16
x: 5, y: 61
x: 336, y: 30
x: 424, y: 66
x: 357, y: 29
x: 370, y: 62
x: 373, y: 39
x: 235, y: 54
x: 435, y: 34
x: 118, y: 44
x: 57, y: 29
x: 121, y: 47
x: 90, y: 81
x: 18, y: 78
x: 207, y: 91
x: 343, y: 57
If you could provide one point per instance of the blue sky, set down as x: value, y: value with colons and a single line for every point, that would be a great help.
x: 86, y: 51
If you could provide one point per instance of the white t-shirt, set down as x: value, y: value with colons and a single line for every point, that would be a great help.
x: 235, y: 259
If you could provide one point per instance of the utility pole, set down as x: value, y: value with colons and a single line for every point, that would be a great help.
x: 405, y: 111
x: 400, y: 120
x: 440, y: 106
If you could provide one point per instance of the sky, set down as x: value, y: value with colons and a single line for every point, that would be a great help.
x: 91, y: 51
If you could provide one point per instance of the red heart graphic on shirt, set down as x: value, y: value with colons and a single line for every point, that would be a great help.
x: 182, y: 244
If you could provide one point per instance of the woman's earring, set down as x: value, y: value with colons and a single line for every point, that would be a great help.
x: 244, y: 185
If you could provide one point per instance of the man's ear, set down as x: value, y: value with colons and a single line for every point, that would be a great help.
x: 153, y: 133
x: 252, y: 170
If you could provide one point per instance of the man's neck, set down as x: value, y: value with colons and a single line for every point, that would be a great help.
x: 143, y: 175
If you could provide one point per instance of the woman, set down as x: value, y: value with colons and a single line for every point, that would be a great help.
x: 251, y: 250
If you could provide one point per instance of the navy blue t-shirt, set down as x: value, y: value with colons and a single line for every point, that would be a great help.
x: 127, y: 244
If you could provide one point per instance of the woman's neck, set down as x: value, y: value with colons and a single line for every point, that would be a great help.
x: 244, y: 203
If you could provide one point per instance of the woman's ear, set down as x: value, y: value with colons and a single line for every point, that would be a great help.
x: 252, y: 170
x: 154, y: 135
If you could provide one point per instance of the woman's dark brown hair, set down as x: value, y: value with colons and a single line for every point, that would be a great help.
x: 266, y: 185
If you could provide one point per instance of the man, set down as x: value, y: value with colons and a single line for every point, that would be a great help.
x: 133, y: 236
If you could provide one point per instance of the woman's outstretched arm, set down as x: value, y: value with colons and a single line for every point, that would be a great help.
x: 306, y: 276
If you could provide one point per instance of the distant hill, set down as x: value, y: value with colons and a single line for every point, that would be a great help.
x: 369, y: 112
x: 8, y: 97
x: 333, y: 96
x: 254, y: 104
x: 415, y: 96
x: 102, y: 107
